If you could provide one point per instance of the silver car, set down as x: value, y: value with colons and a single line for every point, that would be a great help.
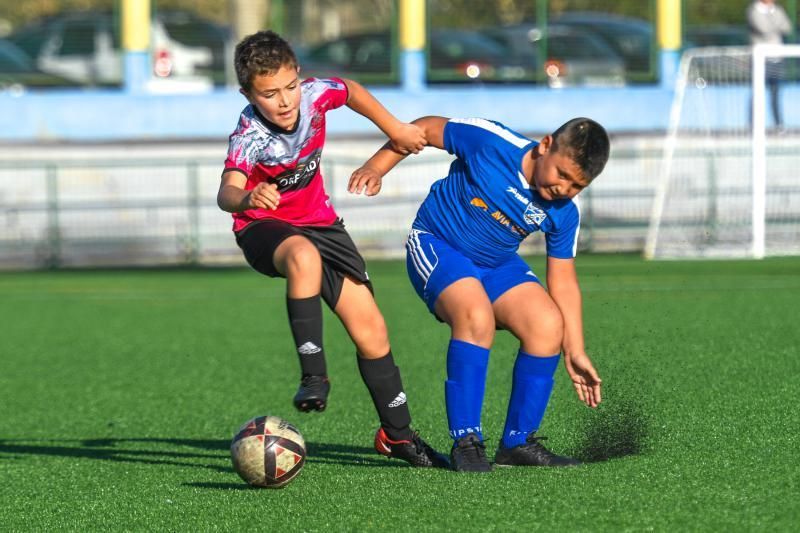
x: 84, y: 47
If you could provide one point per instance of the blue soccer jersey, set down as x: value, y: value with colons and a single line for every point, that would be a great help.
x: 485, y: 207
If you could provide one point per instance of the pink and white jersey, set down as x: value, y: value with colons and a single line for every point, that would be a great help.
x: 263, y: 152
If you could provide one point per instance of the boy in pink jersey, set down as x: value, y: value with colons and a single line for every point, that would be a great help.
x: 285, y: 225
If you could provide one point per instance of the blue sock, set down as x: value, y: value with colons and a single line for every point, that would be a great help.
x: 530, y: 392
x: 464, y: 388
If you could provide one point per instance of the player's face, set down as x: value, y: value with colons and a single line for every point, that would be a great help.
x: 277, y: 96
x: 555, y: 175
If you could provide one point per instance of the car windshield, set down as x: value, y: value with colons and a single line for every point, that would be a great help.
x: 190, y: 30
x: 627, y: 36
x: 562, y: 42
x: 30, y: 38
x: 459, y: 45
x: 13, y: 60
x: 577, y: 46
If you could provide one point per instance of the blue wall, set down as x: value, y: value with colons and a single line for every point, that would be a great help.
x: 105, y: 115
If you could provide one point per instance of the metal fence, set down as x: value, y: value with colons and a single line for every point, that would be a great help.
x: 161, y: 210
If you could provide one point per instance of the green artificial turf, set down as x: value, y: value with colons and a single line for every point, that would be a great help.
x: 120, y: 392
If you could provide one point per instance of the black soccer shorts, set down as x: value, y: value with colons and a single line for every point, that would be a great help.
x: 340, y: 257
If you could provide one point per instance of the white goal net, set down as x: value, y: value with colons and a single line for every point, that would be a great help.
x: 730, y: 176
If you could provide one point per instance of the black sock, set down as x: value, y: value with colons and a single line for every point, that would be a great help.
x: 382, y: 378
x: 305, y: 319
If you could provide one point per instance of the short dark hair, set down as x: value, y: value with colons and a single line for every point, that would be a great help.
x: 584, y: 141
x: 264, y: 52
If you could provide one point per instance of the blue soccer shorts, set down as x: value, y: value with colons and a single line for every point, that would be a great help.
x: 433, y: 265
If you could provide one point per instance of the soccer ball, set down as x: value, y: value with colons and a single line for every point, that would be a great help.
x: 268, y: 451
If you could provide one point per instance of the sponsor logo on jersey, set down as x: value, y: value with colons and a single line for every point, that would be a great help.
x: 499, y: 216
x: 517, y: 194
x: 503, y: 219
x: 478, y: 202
x: 400, y: 400
x: 301, y: 175
x: 534, y: 215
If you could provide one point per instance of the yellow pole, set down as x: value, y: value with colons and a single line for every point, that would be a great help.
x: 412, y: 45
x: 135, y: 25
x: 412, y: 24
x: 135, y: 44
x: 669, y: 41
x: 669, y: 24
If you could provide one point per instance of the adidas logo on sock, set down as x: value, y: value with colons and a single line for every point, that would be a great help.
x: 400, y: 400
x: 308, y: 349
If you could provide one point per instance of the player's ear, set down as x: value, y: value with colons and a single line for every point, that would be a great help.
x: 545, y: 145
x: 244, y: 93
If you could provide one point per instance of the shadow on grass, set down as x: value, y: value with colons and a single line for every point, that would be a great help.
x: 345, y: 454
x: 203, y: 444
x: 220, y: 486
x: 163, y: 452
x: 618, y: 430
x: 107, y: 450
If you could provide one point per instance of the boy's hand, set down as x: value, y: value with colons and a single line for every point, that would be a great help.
x: 408, y: 139
x: 264, y: 195
x: 584, y: 378
x: 365, y: 179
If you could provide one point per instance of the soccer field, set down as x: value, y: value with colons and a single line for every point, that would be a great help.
x: 121, y: 390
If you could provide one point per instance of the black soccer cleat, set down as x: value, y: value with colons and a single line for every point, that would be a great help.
x: 312, y: 394
x: 415, y: 452
x: 469, y: 455
x: 532, y: 453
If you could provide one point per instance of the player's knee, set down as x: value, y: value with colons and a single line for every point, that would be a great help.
x: 476, y: 324
x: 304, y: 260
x: 545, y: 332
x: 375, y: 327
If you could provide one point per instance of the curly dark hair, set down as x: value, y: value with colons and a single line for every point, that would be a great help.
x: 264, y: 52
x: 584, y: 141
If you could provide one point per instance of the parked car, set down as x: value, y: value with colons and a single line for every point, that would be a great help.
x: 461, y: 55
x: 453, y: 56
x: 632, y: 39
x: 574, y: 57
x: 85, y: 46
x: 192, y: 31
x: 349, y: 55
x: 18, y: 72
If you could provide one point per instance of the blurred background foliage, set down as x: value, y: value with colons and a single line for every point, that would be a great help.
x: 558, y: 42
x: 462, y: 13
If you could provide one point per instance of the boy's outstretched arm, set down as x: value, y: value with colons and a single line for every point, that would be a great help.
x: 405, y: 138
x: 562, y: 284
x: 369, y: 177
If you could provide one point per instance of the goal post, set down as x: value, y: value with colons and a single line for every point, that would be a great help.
x: 729, y: 183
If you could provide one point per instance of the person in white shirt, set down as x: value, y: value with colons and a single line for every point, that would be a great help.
x: 769, y: 24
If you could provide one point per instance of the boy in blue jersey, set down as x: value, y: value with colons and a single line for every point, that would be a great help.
x: 462, y: 260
